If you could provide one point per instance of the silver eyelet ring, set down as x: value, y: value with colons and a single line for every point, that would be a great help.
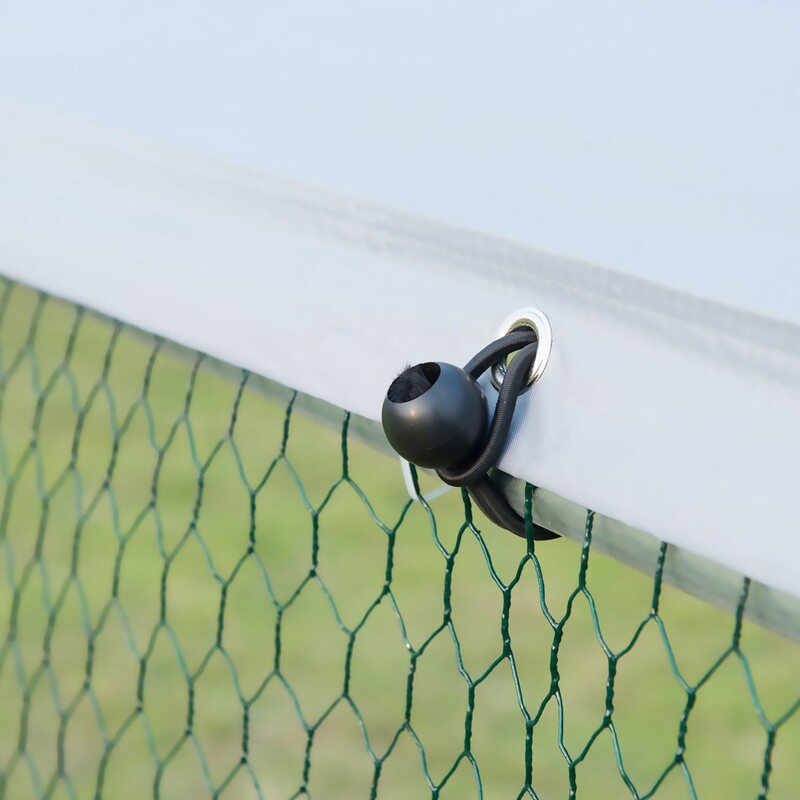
x: 526, y: 318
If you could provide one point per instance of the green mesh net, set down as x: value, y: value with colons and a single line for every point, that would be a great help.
x: 205, y: 593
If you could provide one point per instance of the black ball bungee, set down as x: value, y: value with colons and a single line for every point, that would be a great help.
x: 435, y: 415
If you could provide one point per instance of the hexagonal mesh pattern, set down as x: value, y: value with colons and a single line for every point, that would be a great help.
x: 205, y: 594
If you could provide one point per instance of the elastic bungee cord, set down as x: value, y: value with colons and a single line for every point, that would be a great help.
x: 435, y: 415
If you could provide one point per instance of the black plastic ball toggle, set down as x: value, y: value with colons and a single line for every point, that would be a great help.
x: 435, y: 415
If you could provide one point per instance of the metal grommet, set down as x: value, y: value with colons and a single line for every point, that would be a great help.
x: 538, y: 322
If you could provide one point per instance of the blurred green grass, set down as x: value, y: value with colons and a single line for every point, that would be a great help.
x: 157, y: 553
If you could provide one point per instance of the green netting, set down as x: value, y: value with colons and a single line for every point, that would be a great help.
x: 206, y: 594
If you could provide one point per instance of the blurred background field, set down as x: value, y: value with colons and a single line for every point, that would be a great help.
x: 205, y: 594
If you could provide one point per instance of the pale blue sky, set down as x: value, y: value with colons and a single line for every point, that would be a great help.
x: 657, y: 138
